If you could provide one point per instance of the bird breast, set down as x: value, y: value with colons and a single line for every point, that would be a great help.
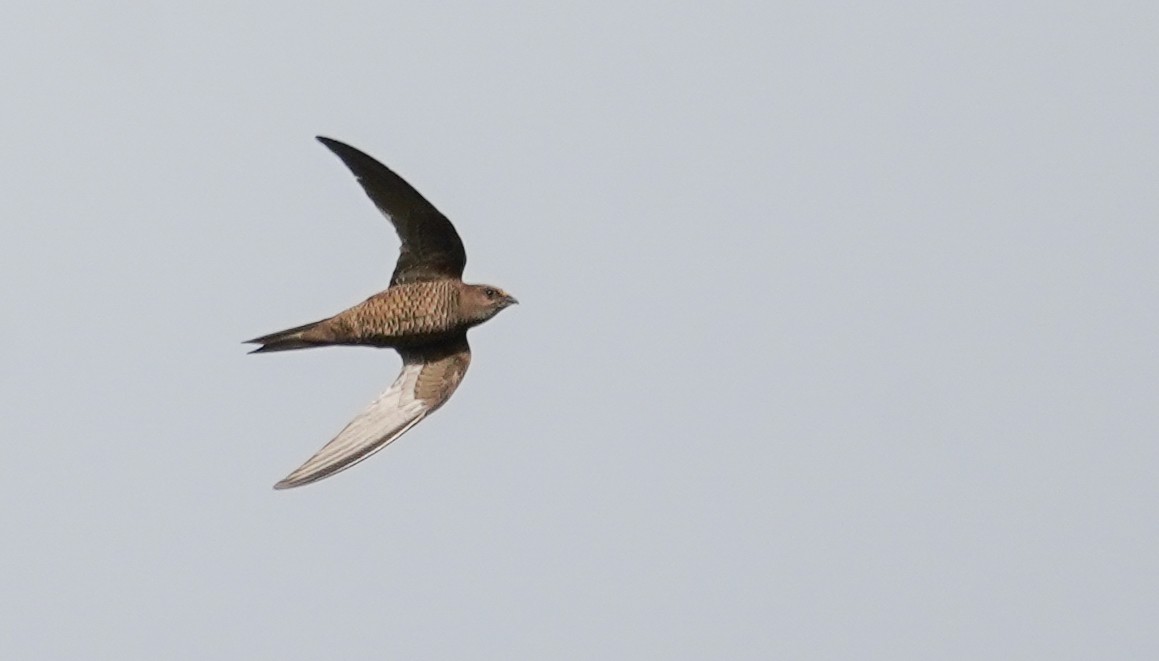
x: 408, y: 314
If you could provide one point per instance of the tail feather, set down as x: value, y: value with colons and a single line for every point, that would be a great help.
x: 298, y: 337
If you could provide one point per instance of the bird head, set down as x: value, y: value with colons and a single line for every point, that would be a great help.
x: 481, y: 302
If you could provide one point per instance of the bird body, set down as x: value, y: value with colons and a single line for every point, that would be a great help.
x: 424, y: 315
x: 406, y: 315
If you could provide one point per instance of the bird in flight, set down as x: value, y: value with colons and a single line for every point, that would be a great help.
x: 424, y: 315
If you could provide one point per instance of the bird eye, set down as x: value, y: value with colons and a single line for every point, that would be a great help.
x: 490, y: 293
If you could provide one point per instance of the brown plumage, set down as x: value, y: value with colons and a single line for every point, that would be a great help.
x: 424, y: 315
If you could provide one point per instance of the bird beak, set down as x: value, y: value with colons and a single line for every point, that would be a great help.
x: 511, y: 300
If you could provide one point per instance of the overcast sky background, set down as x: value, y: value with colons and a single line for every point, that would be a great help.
x: 837, y: 336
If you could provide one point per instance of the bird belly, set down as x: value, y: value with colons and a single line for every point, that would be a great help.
x: 408, y: 338
x: 403, y: 316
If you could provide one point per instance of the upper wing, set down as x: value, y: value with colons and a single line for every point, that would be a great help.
x: 427, y: 380
x: 431, y: 249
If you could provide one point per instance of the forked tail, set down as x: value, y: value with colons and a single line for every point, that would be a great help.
x: 299, y: 337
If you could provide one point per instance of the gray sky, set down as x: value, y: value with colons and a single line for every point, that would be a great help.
x: 838, y: 334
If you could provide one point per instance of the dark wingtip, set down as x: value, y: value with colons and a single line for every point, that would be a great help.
x: 332, y: 144
x: 353, y: 157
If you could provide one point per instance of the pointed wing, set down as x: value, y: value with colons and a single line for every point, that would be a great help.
x: 427, y: 380
x: 431, y: 248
